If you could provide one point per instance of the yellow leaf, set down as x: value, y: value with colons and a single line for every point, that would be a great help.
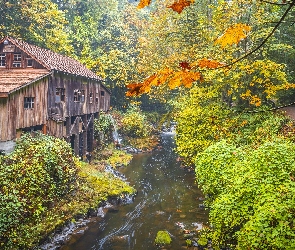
x: 208, y: 63
x: 175, y: 81
x: 233, y: 35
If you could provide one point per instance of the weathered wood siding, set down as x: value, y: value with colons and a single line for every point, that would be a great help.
x: 5, y: 123
x: 57, y: 129
x: 70, y: 117
x: 30, y: 117
x: 24, y: 58
x: 92, y: 101
x: 14, y: 116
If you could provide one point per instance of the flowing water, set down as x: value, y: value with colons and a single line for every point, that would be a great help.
x: 168, y: 199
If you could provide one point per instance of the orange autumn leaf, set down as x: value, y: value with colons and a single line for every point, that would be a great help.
x: 163, y: 75
x: 233, y: 35
x: 134, y: 89
x: 185, y: 78
x: 146, y: 85
x: 175, y: 81
x: 172, y: 78
x: 189, y: 77
x: 185, y: 65
x: 179, y: 5
x: 143, y: 3
x: 209, y: 64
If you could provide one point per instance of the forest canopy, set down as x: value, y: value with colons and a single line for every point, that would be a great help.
x: 154, y: 46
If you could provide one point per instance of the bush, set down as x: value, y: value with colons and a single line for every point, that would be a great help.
x: 40, y: 171
x: 134, y: 123
x: 43, y: 185
x: 202, y: 121
x: 103, y: 128
x: 251, y: 194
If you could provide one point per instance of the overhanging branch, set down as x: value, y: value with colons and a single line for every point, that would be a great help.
x: 265, y: 40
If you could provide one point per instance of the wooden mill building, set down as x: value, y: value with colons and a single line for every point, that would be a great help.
x: 43, y: 90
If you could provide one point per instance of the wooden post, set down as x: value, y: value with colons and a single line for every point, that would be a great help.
x: 44, y: 129
x: 68, y: 129
x: 84, y: 134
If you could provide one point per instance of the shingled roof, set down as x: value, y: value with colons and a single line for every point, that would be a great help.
x: 11, y: 80
x: 54, y: 61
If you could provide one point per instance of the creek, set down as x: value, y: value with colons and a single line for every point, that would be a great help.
x: 168, y: 199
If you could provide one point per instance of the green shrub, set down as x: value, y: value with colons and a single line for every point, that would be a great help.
x: 43, y: 185
x: 40, y: 171
x: 202, y: 121
x: 103, y: 128
x: 134, y: 123
x: 251, y: 194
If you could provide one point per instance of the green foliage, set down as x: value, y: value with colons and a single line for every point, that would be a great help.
x: 112, y: 156
x: 99, y: 185
x: 188, y: 242
x: 250, y: 194
x: 134, y: 123
x: 202, y: 120
x: 42, y: 185
x: 103, y: 128
x: 257, y: 128
x: 199, y: 125
x: 39, y: 22
x: 163, y: 238
x: 202, y: 241
x: 39, y: 172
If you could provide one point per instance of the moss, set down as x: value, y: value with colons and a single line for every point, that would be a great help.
x: 145, y: 143
x: 111, y: 156
x: 163, y: 238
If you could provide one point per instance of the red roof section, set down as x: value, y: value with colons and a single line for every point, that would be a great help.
x: 54, y: 61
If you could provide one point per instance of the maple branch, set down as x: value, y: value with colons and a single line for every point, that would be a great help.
x: 280, y: 4
x: 265, y: 40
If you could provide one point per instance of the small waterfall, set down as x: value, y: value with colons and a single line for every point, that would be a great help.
x: 115, y: 133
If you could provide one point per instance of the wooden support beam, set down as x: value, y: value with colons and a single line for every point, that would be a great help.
x: 44, y: 129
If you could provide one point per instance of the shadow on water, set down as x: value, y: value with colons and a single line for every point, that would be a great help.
x: 168, y: 199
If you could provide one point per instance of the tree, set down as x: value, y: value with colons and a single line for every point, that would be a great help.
x: 38, y: 22
x: 218, y: 17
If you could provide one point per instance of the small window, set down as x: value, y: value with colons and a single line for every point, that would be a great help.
x: 2, y: 60
x: 96, y: 98
x: 79, y: 95
x: 29, y: 62
x: 29, y: 102
x: 82, y: 99
x: 60, y: 95
x: 76, y: 95
x: 90, y: 97
x: 102, y: 93
x: 17, y: 60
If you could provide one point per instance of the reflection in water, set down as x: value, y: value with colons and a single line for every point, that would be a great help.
x: 168, y: 199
